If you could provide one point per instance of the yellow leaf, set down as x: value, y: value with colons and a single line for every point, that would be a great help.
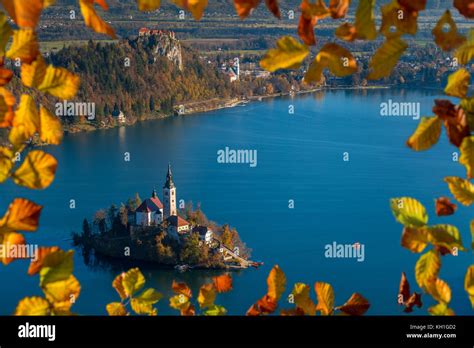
x: 181, y: 288
x: 22, y: 215
x: 133, y: 280
x: 276, y: 283
x: 116, y: 309
x: 148, y: 5
x: 439, y: 290
x: 33, y: 74
x: 396, y: 17
x: 26, y: 14
x: 9, y: 240
x: 458, y: 83
x: 461, y: 189
x: 415, y: 239
x: 356, y: 305
x: 60, y: 83
x: 215, y: 310
x: 289, y: 54
x: 32, y: 306
x: 51, y: 129
x: 57, y: 265
x: 6, y: 163
x: 93, y: 20
x: 446, y: 236
x: 386, y: 57
x: 24, y: 47
x: 465, y: 52
x: 37, y: 170
x: 5, y: 33
x: 62, y: 294
x: 409, y: 212
x: 447, y: 40
x: 26, y: 122
x: 467, y: 155
x: 301, y: 294
x: 207, y: 295
x: 365, y: 20
x: 196, y: 7
x: 180, y: 302
x: 441, y: 309
x: 427, y: 268
x: 325, y: 294
x: 469, y: 284
x: 334, y: 57
x: 467, y: 104
x: 426, y: 135
x: 117, y: 284
x: 143, y: 304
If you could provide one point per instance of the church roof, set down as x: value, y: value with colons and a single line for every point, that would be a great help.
x: 177, y: 221
x: 150, y: 205
x: 169, y: 179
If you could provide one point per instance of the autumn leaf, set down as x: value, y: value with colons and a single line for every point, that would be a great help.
x: 37, y: 170
x: 132, y: 281
x: 26, y: 121
x: 346, y: 32
x: 409, y: 212
x: 441, y: 309
x: 427, y: 268
x: 465, y: 7
x: 51, y: 129
x: 339, y: 8
x: 196, y: 7
x: 33, y: 74
x: 302, y: 299
x: 336, y: 58
x: 365, y: 20
x: 465, y: 52
x: 413, y: 300
x: 5, y: 77
x: 5, y: 33
x: 6, y: 163
x: 444, y: 207
x: 273, y: 7
x: 245, y: 7
x: 292, y: 312
x: 33, y: 306
x: 62, y: 294
x: 9, y: 240
x: 60, y: 83
x: 148, y: 5
x: 415, y: 239
x: 356, y: 305
x: 445, y: 236
x: 458, y: 83
x: 386, y: 57
x: 26, y: 14
x: 467, y: 155
x: 6, y: 116
x: 289, y: 54
x: 181, y: 288
x: 394, y: 16
x: 404, y: 289
x: 325, y: 294
x: 215, y: 310
x: 180, y: 302
x: 93, y: 20
x: 409, y: 300
x: 276, y: 283
x: 116, y: 309
x: 222, y: 283
x: 469, y: 284
x: 306, y: 29
x: 426, y: 135
x: 461, y: 189
x: 266, y: 305
x: 207, y: 295
x: 455, y: 120
x: 467, y: 105
x: 24, y: 47
x: 413, y: 5
x: 447, y: 40
x: 22, y: 215
x: 143, y: 303
x: 36, y: 265
x: 56, y: 266
x: 439, y: 290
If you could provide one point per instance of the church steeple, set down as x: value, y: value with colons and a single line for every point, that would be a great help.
x: 169, y: 179
x: 153, y: 194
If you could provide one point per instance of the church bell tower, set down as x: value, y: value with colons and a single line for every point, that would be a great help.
x: 169, y: 196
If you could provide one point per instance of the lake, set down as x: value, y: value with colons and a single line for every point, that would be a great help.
x: 300, y: 158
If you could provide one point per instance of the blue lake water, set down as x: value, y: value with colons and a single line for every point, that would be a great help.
x: 300, y: 158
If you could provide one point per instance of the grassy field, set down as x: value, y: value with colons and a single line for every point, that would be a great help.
x: 54, y: 46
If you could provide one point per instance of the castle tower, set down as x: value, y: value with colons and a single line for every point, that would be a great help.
x: 169, y: 196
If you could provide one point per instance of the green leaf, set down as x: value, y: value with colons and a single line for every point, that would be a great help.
x: 57, y: 265
x: 409, y: 212
x: 462, y: 190
x: 447, y: 236
x: 427, y: 268
x: 143, y: 304
x: 215, y: 310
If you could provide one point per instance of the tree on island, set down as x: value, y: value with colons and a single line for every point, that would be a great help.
x: 193, y: 251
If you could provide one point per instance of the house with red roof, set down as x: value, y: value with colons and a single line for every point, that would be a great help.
x: 150, y: 211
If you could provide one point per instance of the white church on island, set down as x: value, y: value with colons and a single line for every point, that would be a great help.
x: 152, y: 212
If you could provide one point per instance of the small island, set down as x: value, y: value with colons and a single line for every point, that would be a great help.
x: 157, y: 232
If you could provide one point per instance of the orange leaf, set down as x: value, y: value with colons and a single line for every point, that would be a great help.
x: 356, y: 305
x: 346, y: 32
x: 93, y: 20
x: 9, y: 240
x: 22, y: 215
x: 222, y: 283
x: 454, y: 119
x: 404, y: 288
x: 36, y: 265
x: 24, y: 47
x: 5, y: 76
x: 447, y: 40
x: 272, y: 5
x: 37, y: 170
x: 465, y: 7
x: 181, y: 289
x: 444, y: 207
x: 26, y: 14
x: 339, y: 8
x: 414, y: 300
x: 245, y: 7
x: 413, y: 5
